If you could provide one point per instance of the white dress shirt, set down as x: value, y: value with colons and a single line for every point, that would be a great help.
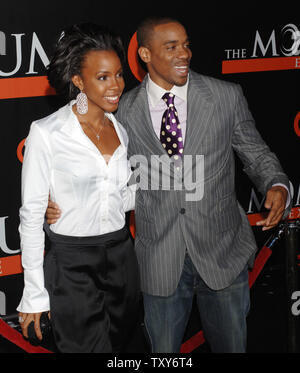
x: 93, y: 195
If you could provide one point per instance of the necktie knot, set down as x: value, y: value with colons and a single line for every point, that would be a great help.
x: 168, y: 97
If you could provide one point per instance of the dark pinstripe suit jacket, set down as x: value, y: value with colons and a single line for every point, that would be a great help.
x: 214, y: 230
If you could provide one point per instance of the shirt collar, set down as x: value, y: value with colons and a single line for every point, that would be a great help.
x: 67, y: 110
x: 155, y: 92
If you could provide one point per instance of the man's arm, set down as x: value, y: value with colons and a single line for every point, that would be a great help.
x: 260, y: 164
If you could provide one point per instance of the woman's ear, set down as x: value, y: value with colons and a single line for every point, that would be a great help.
x: 144, y: 54
x: 77, y: 81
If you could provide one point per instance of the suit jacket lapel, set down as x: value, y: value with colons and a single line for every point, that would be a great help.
x: 200, y: 106
x: 139, y: 119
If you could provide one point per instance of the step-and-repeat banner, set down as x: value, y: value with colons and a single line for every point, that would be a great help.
x: 259, y: 49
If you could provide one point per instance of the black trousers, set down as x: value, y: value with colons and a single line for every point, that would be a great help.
x: 94, y: 286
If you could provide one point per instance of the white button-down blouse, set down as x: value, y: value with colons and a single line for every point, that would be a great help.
x: 93, y: 195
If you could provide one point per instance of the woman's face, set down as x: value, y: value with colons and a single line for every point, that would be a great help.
x: 101, y: 79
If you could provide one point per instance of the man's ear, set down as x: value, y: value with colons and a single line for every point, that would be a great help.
x: 144, y: 54
x: 77, y: 81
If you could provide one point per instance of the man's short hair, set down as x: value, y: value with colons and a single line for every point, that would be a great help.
x: 146, y: 27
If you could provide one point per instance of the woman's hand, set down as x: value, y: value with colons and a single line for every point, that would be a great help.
x: 53, y: 212
x: 26, y: 318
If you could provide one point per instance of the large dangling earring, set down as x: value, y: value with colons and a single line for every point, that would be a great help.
x: 82, y: 103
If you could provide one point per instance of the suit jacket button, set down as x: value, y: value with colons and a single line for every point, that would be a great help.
x: 182, y: 211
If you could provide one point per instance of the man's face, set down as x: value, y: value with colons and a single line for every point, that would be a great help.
x: 168, y: 55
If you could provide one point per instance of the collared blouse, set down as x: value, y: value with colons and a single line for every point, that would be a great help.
x: 92, y: 194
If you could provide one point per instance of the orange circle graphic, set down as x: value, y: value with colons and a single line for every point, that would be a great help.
x: 20, y: 150
x: 296, y: 124
x: 133, y: 60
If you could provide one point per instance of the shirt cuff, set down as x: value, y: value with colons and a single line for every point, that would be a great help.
x: 35, y: 296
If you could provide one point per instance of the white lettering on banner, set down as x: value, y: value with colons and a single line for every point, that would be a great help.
x: 258, y: 42
x: 2, y: 44
x: 296, y: 306
x: 36, y: 47
x: 292, y: 191
x: 235, y: 53
x: 295, y: 35
x: 289, y: 44
x: 18, y: 56
x: 298, y: 197
x: 3, y: 244
x: 254, y: 199
x: 2, y: 303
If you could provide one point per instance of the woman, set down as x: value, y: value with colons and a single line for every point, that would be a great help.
x: 90, y: 280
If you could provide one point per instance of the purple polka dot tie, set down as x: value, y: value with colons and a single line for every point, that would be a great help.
x: 170, y: 133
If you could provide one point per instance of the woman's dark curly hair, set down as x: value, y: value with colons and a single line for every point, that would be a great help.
x: 71, y: 49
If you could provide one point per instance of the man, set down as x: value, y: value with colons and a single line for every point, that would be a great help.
x: 197, y: 243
